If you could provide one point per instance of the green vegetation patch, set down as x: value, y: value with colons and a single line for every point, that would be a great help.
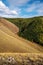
x: 30, y: 28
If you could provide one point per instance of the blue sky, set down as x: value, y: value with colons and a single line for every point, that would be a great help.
x: 21, y: 8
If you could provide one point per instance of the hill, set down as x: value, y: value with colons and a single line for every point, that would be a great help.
x: 30, y: 28
x: 11, y: 42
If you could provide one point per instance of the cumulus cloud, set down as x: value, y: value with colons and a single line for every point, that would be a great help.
x: 4, y: 10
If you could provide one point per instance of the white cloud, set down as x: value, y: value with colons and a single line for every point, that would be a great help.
x: 35, y: 7
x: 4, y: 10
x: 13, y: 9
x: 30, y: 8
x: 18, y: 2
x: 8, y: 16
x: 40, y: 9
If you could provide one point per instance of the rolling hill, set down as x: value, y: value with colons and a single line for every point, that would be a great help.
x: 11, y: 42
x: 30, y: 28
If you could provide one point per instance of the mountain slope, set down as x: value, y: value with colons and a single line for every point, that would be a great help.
x: 30, y: 28
x: 10, y: 42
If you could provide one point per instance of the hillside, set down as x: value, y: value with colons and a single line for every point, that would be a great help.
x: 11, y: 42
x: 30, y: 28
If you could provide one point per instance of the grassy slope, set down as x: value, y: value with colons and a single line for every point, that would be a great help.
x: 9, y: 42
x: 30, y: 28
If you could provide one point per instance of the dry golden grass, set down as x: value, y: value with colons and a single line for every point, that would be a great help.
x: 23, y: 58
x: 10, y: 42
x: 9, y: 25
x: 19, y: 56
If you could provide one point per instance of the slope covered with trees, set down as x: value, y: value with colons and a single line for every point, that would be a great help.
x: 30, y: 28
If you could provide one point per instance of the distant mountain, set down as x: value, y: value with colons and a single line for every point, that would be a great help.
x: 30, y: 28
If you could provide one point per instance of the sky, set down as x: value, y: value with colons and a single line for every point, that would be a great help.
x: 21, y: 8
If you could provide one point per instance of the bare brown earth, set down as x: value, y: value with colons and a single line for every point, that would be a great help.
x: 11, y: 42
